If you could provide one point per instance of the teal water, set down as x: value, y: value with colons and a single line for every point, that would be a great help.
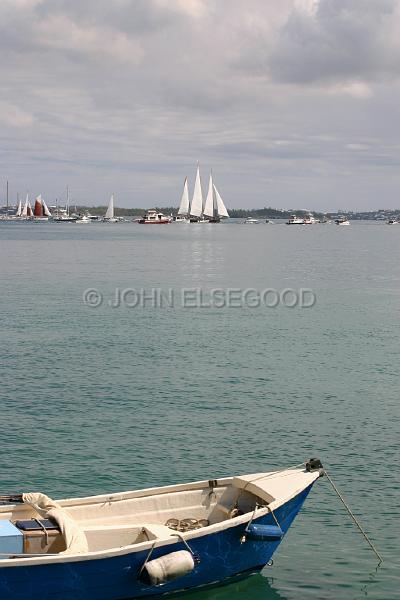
x: 105, y: 399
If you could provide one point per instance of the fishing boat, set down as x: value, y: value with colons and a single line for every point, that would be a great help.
x: 40, y: 210
x: 109, y: 216
x: 295, y: 220
x: 392, y: 221
x: 149, y: 542
x: 154, y: 217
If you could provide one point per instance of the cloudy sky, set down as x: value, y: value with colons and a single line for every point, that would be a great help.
x: 293, y: 103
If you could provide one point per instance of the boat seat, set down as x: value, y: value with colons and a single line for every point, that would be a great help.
x: 155, y: 531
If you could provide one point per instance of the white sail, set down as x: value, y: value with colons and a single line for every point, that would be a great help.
x: 196, y: 208
x: 18, y: 212
x: 221, y: 208
x: 110, y: 210
x: 184, y: 205
x: 209, y: 204
x: 27, y: 210
x: 46, y: 211
x: 24, y: 212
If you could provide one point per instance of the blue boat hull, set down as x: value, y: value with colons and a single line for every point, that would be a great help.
x: 222, y: 556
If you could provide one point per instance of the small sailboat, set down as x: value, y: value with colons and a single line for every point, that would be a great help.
x: 40, y: 210
x: 27, y: 212
x: 147, y: 542
x: 109, y: 216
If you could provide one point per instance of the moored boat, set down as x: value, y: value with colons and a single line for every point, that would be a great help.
x: 251, y: 221
x: 213, y: 210
x: 83, y: 219
x: 109, y: 217
x: 309, y: 219
x: 295, y: 220
x: 341, y: 220
x: 148, y: 542
x: 40, y: 210
x: 154, y: 217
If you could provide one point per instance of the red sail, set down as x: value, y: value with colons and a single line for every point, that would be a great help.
x: 38, y: 209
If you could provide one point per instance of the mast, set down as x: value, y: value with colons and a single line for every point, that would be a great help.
x: 7, y: 200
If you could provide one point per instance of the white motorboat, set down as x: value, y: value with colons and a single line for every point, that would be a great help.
x: 251, y: 221
x: 83, y: 219
x: 341, y: 220
x: 309, y: 219
x: 154, y: 217
x: 295, y: 220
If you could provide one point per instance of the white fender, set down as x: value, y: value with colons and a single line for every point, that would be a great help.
x: 168, y: 567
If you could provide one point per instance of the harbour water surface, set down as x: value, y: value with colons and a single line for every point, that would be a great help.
x: 114, y: 398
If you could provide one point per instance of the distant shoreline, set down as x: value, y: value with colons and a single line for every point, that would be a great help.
x: 237, y: 213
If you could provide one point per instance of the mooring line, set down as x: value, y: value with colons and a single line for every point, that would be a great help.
x: 339, y: 495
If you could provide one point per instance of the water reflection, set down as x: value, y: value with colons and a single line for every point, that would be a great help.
x: 255, y: 587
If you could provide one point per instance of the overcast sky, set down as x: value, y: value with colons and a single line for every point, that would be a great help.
x: 293, y: 103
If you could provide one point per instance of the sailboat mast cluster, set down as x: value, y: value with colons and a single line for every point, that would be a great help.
x: 212, y: 210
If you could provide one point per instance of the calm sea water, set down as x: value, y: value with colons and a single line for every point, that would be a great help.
x: 105, y: 399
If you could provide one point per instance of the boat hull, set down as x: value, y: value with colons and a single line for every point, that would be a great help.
x: 223, y: 555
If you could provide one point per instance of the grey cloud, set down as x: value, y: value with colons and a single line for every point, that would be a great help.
x: 342, y: 40
x: 125, y: 96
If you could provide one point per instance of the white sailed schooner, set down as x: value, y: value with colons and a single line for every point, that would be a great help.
x: 198, y: 211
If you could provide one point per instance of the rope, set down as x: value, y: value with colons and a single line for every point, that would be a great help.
x: 339, y: 495
x: 147, y: 557
x: 274, y: 517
